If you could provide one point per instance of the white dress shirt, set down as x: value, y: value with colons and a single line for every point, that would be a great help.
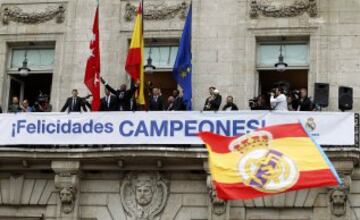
x: 279, y: 103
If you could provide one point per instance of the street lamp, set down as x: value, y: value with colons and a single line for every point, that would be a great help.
x: 24, y: 70
x: 281, y: 65
x: 149, y: 67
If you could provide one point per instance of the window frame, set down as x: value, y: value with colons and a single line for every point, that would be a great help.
x: 291, y: 67
x: 10, y: 71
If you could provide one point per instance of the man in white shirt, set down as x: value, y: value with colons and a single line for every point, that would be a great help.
x: 279, y: 102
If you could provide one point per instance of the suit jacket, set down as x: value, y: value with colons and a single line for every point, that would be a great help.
x: 0, y: 109
x: 157, y: 105
x: 232, y: 107
x: 79, y: 104
x: 178, y: 104
x: 14, y: 108
x: 123, y: 97
x: 112, y: 106
x: 305, y: 105
x: 213, y: 104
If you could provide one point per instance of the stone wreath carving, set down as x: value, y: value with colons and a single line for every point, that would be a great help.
x: 269, y: 8
x: 144, y: 195
x: 157, y: 12
x: 16, y: 14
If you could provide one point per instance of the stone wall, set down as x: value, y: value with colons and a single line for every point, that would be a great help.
x: 224, y: 42
x: 164, y: 185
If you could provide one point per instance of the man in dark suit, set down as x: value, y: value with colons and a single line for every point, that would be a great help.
x: 230, y: 105
x: 156, y: 102
x: 109, y: 102
x: 178, y: 104
x: 74, y: 103
x: 303, y: 103
x: 0, y: 110
x: 213, y: 102
x: 123, y: 95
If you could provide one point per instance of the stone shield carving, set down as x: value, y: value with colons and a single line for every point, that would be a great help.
x: 144, y: 195
x: 277, y: 9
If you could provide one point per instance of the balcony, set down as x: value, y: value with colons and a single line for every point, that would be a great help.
x: 130, y: 156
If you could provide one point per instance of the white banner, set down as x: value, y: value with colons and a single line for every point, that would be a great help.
x: 335, y: 128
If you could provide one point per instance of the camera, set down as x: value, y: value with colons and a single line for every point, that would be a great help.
x: 295, y: 94
x: 253, y: 103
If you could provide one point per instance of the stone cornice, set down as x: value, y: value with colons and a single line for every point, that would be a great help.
x: 131, y: 157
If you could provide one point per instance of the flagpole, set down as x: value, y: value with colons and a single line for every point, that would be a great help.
x: 142, y: 17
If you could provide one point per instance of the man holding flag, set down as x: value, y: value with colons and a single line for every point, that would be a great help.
x: 182, y: 70
x: 135, y: 59
x: 92, y: 71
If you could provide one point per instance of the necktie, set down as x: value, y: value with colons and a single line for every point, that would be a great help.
x: 108, y: 101
x: 73, y: 104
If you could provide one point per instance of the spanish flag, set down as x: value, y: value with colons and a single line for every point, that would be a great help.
x: 268, y: 161
x: 135, y: 59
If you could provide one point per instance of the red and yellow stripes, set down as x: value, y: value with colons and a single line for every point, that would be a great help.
x: 306, y: 179
x: 291, y: 140
x: 135, y: 59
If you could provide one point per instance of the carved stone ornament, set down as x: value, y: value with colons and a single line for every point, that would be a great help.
x: 218, y: 205
x: 158, y: 11
x: 67, y: 198
x: 66, y: 183
x: 144, y: 195
x: 16, y: 14
x: 338, y: 197
x: 278, y: 9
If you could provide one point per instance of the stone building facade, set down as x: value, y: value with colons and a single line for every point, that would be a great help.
x: 164, y: 182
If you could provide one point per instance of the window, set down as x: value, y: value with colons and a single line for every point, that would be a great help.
x: 296, y: 55
x: 163, y: 57
x: 39, y: 59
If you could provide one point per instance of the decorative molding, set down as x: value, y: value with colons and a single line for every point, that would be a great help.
x: 271, y: 8
x: 144, y: 195
x: 66, y: 183
x: 338, y: 197
x: 160, y: 11
x: 16, y: 14
x: 218, y: 205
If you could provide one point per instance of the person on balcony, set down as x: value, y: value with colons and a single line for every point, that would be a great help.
x: 25, y: 107
x: 303, y: 103
x: 123, y: 95
x: 74, y: 103
x: 14, y: 106
x: 213, y: 102
x: 171, y: 104
x: 109, y: 102
x: 178, y: 101
x: 278, y: 100
x: 230, y: 105
x: 156, y: 102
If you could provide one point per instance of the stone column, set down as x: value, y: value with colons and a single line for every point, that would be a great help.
x: 67, y: 184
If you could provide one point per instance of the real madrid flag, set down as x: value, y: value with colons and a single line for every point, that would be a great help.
x: 268, y: 161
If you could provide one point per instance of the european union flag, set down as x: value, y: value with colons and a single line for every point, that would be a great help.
x: 183, y: 67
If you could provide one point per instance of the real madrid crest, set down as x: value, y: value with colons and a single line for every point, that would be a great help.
x: 261, y: 167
